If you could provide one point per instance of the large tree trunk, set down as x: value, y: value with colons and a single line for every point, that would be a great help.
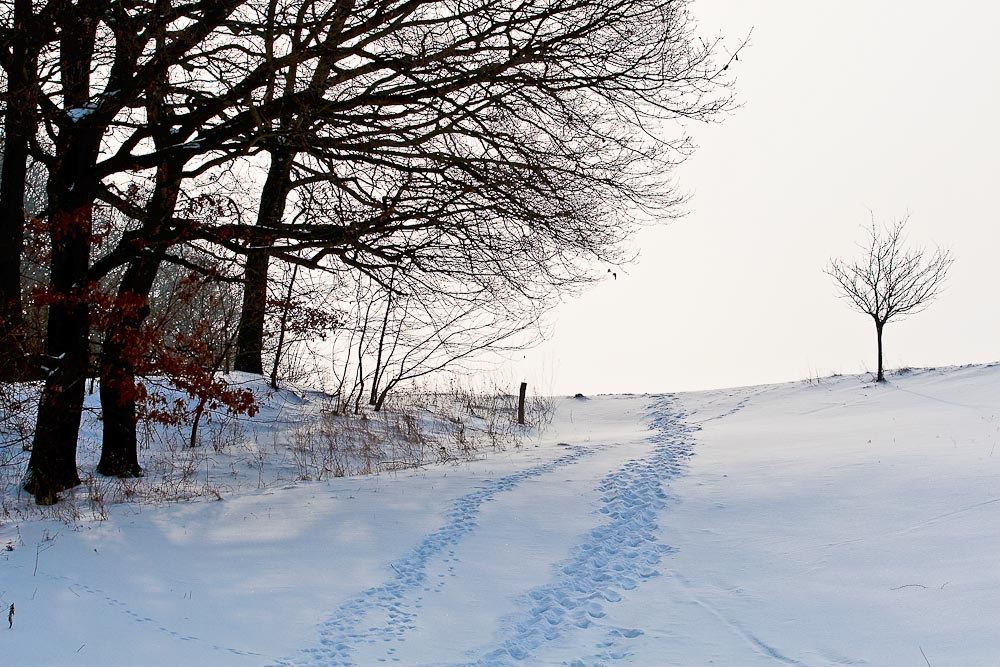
x: 52, y: 466
x: 19, y: 126
x: 119, y: 447
x: 250, y: 332
x: 71, y: 190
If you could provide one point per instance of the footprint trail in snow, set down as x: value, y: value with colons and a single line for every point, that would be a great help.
x: 612, y: 559
x: 615, y: 557
x: 389, y: 612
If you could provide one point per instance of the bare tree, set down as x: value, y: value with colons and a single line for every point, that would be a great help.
x: 93, y: 72
x: 890, y: 280
x: 449, y: 129
x: 501, y: 145
x: 405, y: 328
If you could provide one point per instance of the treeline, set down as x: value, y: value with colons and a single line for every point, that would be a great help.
x: 176, y: 172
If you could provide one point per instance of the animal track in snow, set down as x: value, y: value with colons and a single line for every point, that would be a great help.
x: 141, y: 618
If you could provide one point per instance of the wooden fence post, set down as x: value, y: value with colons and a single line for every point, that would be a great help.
x: 520, y: 403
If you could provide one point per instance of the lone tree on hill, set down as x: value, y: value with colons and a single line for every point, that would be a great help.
x: 890, y: 280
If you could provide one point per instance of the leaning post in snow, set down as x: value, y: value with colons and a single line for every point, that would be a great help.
x: 520, y: 403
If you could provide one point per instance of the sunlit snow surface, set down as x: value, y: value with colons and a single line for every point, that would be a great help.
x: 824, y: 523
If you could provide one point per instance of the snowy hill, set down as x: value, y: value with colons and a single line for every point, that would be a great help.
x: 824, y: 523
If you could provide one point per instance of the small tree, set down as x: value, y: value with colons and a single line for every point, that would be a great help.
x: 890, y: 280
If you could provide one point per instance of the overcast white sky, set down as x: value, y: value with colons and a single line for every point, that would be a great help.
x: 884, y: 105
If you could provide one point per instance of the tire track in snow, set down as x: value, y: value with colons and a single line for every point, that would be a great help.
x: 387, y: 606
x: 614, y: 558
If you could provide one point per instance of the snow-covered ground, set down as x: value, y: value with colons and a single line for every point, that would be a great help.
x: 824, y: 523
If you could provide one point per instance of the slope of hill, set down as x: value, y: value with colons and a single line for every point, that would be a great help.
x: 824, y: 523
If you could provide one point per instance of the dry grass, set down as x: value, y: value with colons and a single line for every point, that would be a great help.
x: 314, y: 443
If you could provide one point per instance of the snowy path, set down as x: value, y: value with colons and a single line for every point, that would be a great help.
x: 813, y: 524
x: 391, y: 608
x: 566, y: 612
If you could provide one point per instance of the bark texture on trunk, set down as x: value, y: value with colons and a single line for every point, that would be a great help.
x: 19, y: 126
x: 119, y: 445
x: 72, y: 190
x: 52, y: 466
